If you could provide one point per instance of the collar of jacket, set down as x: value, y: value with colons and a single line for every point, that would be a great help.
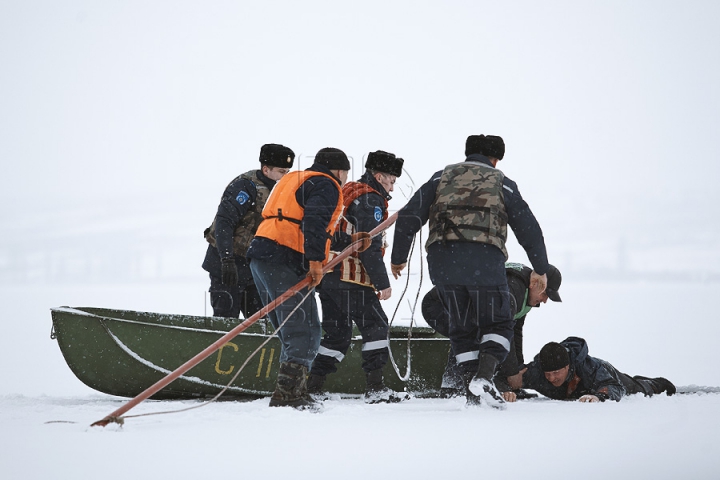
x: 267, y: 181
x: 369, y: 179
x: 477, y: 157
x: 323, y: 169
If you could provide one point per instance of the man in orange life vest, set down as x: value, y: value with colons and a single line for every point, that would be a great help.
x: 353, y: 290
x: 299, y: 220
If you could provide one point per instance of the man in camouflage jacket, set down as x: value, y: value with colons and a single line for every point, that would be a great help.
x: 232, y: 289
x: 469, y: 206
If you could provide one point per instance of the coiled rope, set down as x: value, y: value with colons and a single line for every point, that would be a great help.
x: 406, y: 377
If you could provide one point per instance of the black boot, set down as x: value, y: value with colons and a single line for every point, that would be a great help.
x: 315, y: 384
x: 291, y: 388
x: 452, y: 379
x: 480, y: 388
x: 653, y: 386
x: 664, y: 385
x: 377, y: 392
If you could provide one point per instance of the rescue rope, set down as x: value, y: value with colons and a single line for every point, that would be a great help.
x: 406, y: 377
x: 121, y: 419
x: 169, y: 378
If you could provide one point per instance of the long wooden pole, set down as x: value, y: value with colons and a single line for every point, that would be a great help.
x: 165, y: 381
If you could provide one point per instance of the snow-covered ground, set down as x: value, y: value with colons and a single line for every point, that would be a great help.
x: 642, y: 328
x: 663, y: 438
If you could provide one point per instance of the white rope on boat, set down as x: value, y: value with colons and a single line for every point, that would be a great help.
x: 219, y: 394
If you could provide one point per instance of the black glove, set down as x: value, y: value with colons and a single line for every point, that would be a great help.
x: 229, y: 272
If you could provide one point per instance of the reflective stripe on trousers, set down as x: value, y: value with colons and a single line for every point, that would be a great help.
x: 376, y: 345
x: 331, y: 353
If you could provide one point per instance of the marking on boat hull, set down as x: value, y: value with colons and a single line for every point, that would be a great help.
x: 165, y: 371
x: 217, y: 364
x: 262, y: 356
x: 270, y: 360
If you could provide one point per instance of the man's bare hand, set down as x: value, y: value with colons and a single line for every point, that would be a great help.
x: 515, y: 381
x: 589, y: 399
x: 396, y: 269
x: 538, y: 280
x: 509, y: 396
x: 384, y: 294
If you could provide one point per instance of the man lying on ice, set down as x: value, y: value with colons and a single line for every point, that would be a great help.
x: 565, y: 371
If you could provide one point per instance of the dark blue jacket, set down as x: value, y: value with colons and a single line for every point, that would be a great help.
x: 469, y: 263
x: 229, y: 215
x: 318, y: 196
x: 596, y: 377
x: 365, y: 213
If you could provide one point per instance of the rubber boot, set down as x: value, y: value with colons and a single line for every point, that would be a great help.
x: 480, y: 388
x: 291, y: 388
x: 664, y: 385
x: 315, y: 383
x: 654, y: 386
x: 452, y: 379
x: 377, y: 392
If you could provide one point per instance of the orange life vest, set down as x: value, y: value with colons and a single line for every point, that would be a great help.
x: 351, y: 268
x: 282, y: 215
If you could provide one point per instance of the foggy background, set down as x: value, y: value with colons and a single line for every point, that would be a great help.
x: 122, y: 122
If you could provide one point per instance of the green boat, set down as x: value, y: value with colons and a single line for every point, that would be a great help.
x: 122, y: 352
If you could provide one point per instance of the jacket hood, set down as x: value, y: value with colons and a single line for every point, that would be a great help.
x: 577, y: 348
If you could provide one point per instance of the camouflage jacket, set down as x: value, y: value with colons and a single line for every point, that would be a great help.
x: 469, y: 206
x: 468, y: 263
x: 252, y: 202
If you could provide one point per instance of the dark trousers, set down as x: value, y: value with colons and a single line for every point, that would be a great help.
x: 227, y: 301
x: 341, y: 307
x: 638, y: 384
x: 480, y: 322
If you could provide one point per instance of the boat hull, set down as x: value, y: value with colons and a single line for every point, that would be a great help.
x: 122, y: 352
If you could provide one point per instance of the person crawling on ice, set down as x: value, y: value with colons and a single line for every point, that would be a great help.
x: 565, y: 371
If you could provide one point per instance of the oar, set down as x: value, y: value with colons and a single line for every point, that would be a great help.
x: 164, y: 382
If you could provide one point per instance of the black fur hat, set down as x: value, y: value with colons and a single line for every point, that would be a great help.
x: 275, y: 155
x: 474, y: 144
x: 332, y: 158
x: 384, y: 162
x: 488, y: 145
x: 553, y: 356
x: 494, y: 147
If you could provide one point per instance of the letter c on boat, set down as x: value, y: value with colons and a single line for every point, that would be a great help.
x: 217, y: 364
